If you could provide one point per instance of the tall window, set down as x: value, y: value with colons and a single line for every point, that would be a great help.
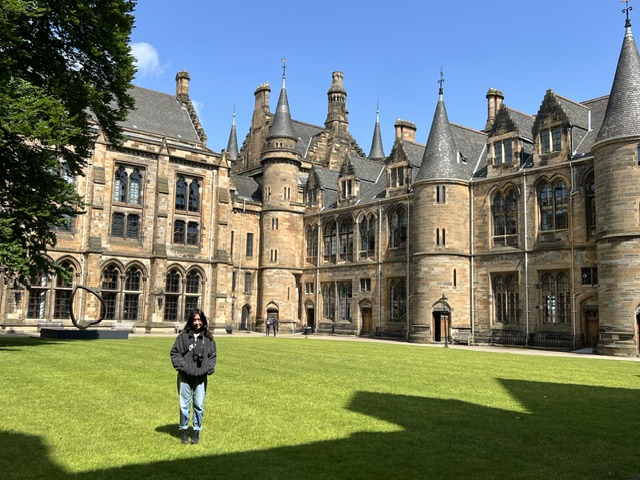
x: 505, y: 298
x: 62, y: 304
x: 192, y: 297
x: 132, y: 293
x: 247, y: 282
x: 187, y: 194
x: 346, y: 188
x: 249, y: 248
x: 38, y: 297
x: 194, y: 196
x: 398, y: 228
x: 127, y: 185
x: 345, y: 293
x: 330, y: 231
x: 556, y: 298
x: 590, y: 195
x: 397, y: 300
x: 173, y: 285
x: 346, y: 239
x: 329, y: 301
x: 367, y: 237
x: 505, y: 219
x: 553, y: 202
x: 110, y: 286
x: 311, y: 236
x: 441, y: 193
x: 397, y: 177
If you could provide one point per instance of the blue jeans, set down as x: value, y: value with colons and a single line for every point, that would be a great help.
x: 191, y: 388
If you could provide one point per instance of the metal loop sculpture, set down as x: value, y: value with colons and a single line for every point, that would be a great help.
x: 103, y: 308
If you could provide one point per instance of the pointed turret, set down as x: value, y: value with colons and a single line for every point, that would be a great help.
x: 440, y: 155
x: 622, y: 117
x: 377, y: 152
x: 232, y: 145
x: 282, y: 126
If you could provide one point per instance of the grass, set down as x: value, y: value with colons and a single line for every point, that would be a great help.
x: 281, y: 408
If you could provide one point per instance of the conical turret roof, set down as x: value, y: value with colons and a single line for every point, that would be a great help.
x: 282, y: 126
x: 232, y: 144
x: 440, y: 155
x: 622, y: 117
x: 377, y: 152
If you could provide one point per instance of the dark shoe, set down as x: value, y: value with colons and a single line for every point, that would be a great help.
x: 185, y: 436
x: 196, y: 437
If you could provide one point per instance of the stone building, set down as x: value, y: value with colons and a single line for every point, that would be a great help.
x: 479, y: 236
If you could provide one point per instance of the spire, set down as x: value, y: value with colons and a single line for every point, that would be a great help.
x: 377, y: 152
x: 440, y: 154
x: 622, y: 117
x: 282, y: 126
x: 232, y: 145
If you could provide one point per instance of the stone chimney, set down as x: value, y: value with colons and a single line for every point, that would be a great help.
x: 405, y: 130
x: 182, y: 85
x: 494, y: 101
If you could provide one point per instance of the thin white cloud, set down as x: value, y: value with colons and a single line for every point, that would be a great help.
x: 147, y: 60
x: 199, y: 106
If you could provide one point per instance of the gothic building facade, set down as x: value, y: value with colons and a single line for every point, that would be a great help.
x: 478, y: 236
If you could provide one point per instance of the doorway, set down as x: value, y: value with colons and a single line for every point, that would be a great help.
x: 311, y: 317
x: 367, y: 321
x: 592, y: 327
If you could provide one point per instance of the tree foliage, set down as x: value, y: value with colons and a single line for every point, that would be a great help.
x: 65, y: 73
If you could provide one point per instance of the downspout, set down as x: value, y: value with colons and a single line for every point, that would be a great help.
x: 83, y: 246
x: 472, y: 266
x: 214, y: 189
x: 240, y: 279
x: 526, y: 257
x: 317, y: 312
x: 572, y: 193
x: 379, y: 321
x: 408, y: 287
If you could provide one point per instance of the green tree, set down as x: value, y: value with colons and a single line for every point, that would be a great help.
x: 65, y: 73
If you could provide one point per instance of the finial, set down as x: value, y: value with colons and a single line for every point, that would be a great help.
x: 234, y: 114
x: 284, y: 71
x: 377, y: 111
x: 441, y: 81
x: 626, y: 11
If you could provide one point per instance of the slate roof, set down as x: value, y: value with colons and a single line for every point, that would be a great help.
x: 160, y: 114
x: 282, y: 126
x: 623, y: 109
x: 377, y: 152
x: 247, y: 188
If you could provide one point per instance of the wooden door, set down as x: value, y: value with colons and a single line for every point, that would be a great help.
x: 367, y: 322
x: 591, y: 332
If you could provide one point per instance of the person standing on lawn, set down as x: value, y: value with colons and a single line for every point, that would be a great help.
x: 268, y: 323
x: 275, y: 326
x: 194, y: 357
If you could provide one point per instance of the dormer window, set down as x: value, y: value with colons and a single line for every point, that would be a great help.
x: 550, y: 139
x: 503, y: 152
x: 346, y: 188
x: 397, y: 177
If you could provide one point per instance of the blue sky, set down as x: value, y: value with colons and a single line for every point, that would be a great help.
x: 390, y: 53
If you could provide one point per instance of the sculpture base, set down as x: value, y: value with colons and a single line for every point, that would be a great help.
x: 69, y: 334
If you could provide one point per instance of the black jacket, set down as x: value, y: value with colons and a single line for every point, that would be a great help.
x: 185, y: 350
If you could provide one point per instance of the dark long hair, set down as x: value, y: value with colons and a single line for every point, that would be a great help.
x: 205, y: 323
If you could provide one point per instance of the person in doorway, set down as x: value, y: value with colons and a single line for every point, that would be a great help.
x: 194, y: 357
x: 268, y: 326
x: 275, y: 326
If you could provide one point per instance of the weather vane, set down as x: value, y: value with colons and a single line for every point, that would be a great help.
x: 284, y: 66
x: 441, y: 81
x: 626, y: 11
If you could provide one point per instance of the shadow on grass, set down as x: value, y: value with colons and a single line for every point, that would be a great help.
x: 561, y: 432
x: 18, y: 341
x: 171, y: 429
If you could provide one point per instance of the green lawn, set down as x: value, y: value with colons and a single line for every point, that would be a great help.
x: 296, y: 408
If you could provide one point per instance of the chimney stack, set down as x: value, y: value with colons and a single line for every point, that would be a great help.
x: 182, y: 85
x: 494, y: 101
x: 405, y: 130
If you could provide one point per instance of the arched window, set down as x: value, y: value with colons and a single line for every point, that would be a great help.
x: 173, y: 289
x: 120, y: 185
x: 181, y: 193
x: 367, y: 237
x: 345, y: 293
x: 346, y: 239
x: 505, y: 218
x: 330, y: 241
x: 556, y: 298
x: 134, y: 187
x: 63, y: 290
x: 192, y: 292
x: 329, y: 301
x: 311, y: 236
x: 397, y: 300
x: 505, y: 298
x: 132, y: 292
x: 398, y: 228
x: 109, y: 287
x: 553, y: 206
x: 194, y: 196
x: 38, y: 297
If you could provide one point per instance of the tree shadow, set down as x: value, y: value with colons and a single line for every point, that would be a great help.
x: 16, y: 342
x: 562, y: 431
